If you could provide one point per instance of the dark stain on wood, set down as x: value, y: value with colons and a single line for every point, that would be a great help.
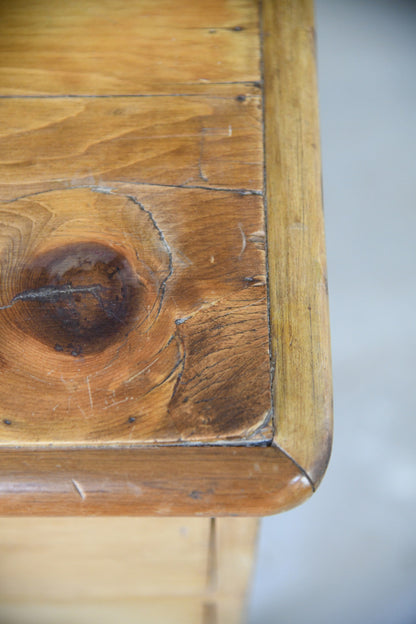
x: 134, y: 308
x: 78, y: 298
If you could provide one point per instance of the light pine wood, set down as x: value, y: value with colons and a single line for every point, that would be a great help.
x: 155, y: 481
x: 60, y: 143
x: 164, y: 341
x: 147, y: 610
x: 142, y: 331
x: 297, y: 262
x: 103, y: 164
x: 129, y: 569
x: 116, y: 47
x: 102, y: 558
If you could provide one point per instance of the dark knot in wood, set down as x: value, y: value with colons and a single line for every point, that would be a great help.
x: 77, y: 298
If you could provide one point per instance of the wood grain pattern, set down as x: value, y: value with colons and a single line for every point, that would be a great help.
x: 297, y: 262
x: 59, y: 559
x: 156, y: 481
x: 124, y: 569
x: 209, y: 142
x: 134, y: 317
x: 137, y: 310
x: 141, y: 149
x: 117, y: 47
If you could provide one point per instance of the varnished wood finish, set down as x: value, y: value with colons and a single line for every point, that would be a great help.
x: 210, y: 141
x: 116, y: 47
x: 67, y: 570
x: 297, y: 262
x: 135, y: 318
x: 142, y: 385
x: 200, y: 481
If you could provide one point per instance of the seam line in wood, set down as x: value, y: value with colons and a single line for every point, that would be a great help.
x: 107, y: 190
x: 80, y: 446
x: 266, y: 244
x: 129, y: 95
x: 295, y: 463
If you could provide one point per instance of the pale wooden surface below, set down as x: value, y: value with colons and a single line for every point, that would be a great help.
x: 67, y: 570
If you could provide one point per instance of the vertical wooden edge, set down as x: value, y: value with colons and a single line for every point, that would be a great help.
x: 170, y: 481
x: 296, y: 243
x: 237, y: 545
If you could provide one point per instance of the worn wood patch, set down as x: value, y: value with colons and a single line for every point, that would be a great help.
x: 132, y: 235
x: 206, y: 142
x: 130, y: 314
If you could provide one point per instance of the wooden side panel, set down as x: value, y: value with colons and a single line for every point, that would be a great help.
x: 117, y: 47
x: 236, y: 543
x: 183, y: 610
x: 93, y: 569
x: 297, y: 261
x: 102, y: 558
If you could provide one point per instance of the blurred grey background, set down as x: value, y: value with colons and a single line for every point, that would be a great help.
x: 349, y: 554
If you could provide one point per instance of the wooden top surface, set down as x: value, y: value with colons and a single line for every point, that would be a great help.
x: 150, y: 297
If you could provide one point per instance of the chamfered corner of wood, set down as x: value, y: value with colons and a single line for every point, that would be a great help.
x: 302, y: 483
x: 290, y: 491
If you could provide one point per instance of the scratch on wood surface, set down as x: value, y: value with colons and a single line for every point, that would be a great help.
x: 133, y: 487
x: 116, y: 403
x: 201, y: 153
x: 89, y: 393
x: 258, y: 239
x: 79, y: 489
x: 81, y: 410
x: 243, y: 241
x: 143, y: 370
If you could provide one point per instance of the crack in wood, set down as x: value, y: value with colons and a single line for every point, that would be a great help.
x: 52, y: 294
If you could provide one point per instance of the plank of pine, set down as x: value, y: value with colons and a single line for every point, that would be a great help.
x: 154, y: 610
x: 179, y: 610
x: 236, y: 549
x: 59, y: 559
x: 297, y: 260
x: 128, y: 569
x: 116, y: 47
x: 206, y: 141
x: 154, y: 481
